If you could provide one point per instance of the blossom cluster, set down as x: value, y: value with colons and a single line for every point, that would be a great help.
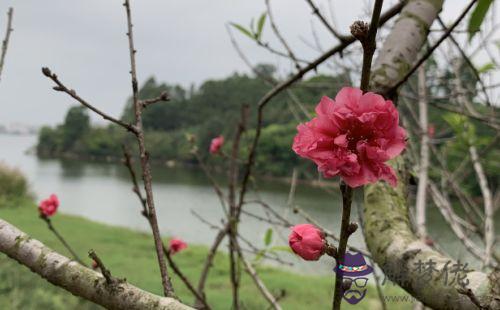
x: 353, y: 136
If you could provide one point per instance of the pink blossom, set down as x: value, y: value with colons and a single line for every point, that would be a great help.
x: 176, y: 245
x: 216, y: 144
x: 353, y: 136
x: 48, y: 207
x: 307, y: 241
x: 431, y: 130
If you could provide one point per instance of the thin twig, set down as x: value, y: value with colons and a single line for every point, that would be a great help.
x: 429, y: 52
x: 71, y: 92
x: 62, y: 240
x: 280, y: 37
x: 105, y: 272
x: 325, y: 22
x: 199, y: 298
x: 136, y: 189
x: 367, y: 39
x: 162, y: 97
x: 5, y: 42
x: 258, y: 282
x: 468, y: 61
x: 423, y: 167
x: 168, y: 289
x: 233, y: 208
x: 344, y: 236
x: 376, y: 276
x: 127, y: 161
x: 209, y: 260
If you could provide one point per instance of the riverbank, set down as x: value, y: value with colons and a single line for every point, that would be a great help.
x: 311, y: 181
x: 130, y: 254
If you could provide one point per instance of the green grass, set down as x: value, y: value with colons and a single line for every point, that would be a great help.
x: 130, y: 255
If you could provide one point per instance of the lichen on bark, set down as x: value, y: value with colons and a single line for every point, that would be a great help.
x: 387, y: 228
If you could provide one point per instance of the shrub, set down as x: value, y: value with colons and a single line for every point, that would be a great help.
x: 13, y: 185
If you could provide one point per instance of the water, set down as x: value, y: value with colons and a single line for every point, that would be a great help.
x: 102, y: 192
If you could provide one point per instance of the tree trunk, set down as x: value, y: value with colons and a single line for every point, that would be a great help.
x: 388, y: 232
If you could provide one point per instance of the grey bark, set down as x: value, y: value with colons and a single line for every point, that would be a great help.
x: 388, y: 232
x: 75, y: 278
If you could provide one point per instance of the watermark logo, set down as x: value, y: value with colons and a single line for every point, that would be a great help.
x: 354, y: 270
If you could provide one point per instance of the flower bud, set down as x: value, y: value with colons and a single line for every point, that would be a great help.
x: 176, y: 245
x: 352, y: 228
x: 48, y: 207
x: 307, y: 241
x: 216, y: 144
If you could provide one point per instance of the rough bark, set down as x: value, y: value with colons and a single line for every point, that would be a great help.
x: 388, y: 232
x: 403, y: 43
x: 75, y: 278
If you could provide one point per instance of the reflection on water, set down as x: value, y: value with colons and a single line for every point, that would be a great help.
x: 102, y: 192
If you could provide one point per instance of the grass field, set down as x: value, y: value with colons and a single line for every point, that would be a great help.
x: 130, y: 254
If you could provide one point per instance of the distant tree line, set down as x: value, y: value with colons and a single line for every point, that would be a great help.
x: 214, y: 109
x: 211, y: 110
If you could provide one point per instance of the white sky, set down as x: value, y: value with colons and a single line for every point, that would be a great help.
x: 181, y: 41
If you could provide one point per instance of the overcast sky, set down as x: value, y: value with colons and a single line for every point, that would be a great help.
x: 178, y: 41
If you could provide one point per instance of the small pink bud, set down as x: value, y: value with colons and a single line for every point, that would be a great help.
x: 176, y: 245
x: 216, y: 144
x: 431, y: 130
x: 307, y: 241
x: 48, y: 207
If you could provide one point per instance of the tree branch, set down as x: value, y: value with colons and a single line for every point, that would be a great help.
x: 414, y: 10
x: 71, y: 92
x: 168, y: 289
x: 325, y: 22
x: 388, y: 232
x: 5, y: 42
x: 75, y: 278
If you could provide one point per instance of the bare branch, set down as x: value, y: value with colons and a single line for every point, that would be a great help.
x: 468, y: 61
x: 168, y: 289
x: 5, y: 42
x: 62, y: 88
x: 162, y: 97
x: 258, y: 282
x: 61, y: 239
x: 200, y: 300
x: 209, y: 260
x: 325, y: 22
x: 489, y: 230
x: 423, y: 169
x: 105, y: 272
x: 431, y: 50
x: 280, y: 37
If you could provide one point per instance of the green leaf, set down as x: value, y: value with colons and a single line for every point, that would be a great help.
x: 258, y: 257
x: 260, y: 25
x: 243, y: 30
x: 477, y: 17
x: 268, y: 237
x: 486, y: 67
x: 280, y: 248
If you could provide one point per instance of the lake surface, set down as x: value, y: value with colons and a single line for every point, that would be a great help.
x: 102, y: 192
